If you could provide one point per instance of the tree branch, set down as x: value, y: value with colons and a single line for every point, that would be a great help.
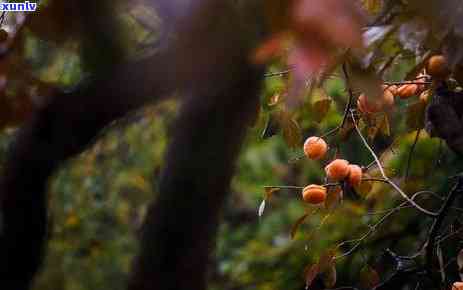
x: 178, y: 235
x: 438, y: 222
x: 386, y: 178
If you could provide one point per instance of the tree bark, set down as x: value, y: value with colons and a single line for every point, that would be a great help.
x: 179, y: 232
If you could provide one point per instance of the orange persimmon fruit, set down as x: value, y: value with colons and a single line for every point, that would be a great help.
x: 457, y: 286
x: 337, y: 170
x: 388, y: 98
x: 437, y: 67
x: 355, y: 175
x: 407, y: 91
x: 392, y: 88
x: 368, y: 107
x: 314, y: 194
x: 315, y: 147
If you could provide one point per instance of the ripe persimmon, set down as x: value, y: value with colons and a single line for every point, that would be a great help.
x: 315, y: 147
x: 407, y: 91
x: 424, y: 96
x: 457, y: 286
x: 355, y: 175
x: 437, y: 67
x: 337, y: 170
x: 314, y: 194
x: 368, y: 107
x: 388, y: 98
x: 391, y: 88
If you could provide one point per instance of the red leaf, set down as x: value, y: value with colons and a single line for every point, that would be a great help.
x: 311, y: 273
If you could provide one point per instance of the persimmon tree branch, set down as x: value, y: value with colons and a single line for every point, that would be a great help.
x: 373, y: 228
x: 385, y: 177
x: 348, y: 105
x: 410, y: 154
x: 438, y: 222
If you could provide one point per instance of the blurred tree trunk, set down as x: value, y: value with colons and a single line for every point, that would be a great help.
x: 209, y: 63
x: 62, y: 129
x: 179, y: 232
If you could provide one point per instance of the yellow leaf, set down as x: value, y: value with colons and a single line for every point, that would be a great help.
x: 291, y: 131
x: 269, y: 191
x: 329, y: 276
x: 385, y: 127
x: 372, y: 6
x: 320, y: 109
x: 297, y: 224
x: 364, y: 187
x: 72, y: 220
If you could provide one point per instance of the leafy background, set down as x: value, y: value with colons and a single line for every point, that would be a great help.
x: 98, y: 198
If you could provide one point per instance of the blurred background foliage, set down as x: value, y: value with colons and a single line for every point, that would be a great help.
x: 98, y: 198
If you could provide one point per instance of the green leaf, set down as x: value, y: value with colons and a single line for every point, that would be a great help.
x: 385, y: 127
x: 271, y: 126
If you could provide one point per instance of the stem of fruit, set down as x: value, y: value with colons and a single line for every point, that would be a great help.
x: 346, y: 109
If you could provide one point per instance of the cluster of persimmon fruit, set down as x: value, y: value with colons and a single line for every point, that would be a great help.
x: 337, y: 170
x: 436, y: 68
x: 340, y: 170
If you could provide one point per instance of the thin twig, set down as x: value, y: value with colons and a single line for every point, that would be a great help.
x: 408, y: 83
x: 381, y: 169
x: 435, y: 227
x: 351, y: 95
x: 364, y: 236
x: 284, y: 187
x: 410, y: 154
x: 278, y: 73
x: 446, y: 237
x: 346, y: 108
x: 374, y: 227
